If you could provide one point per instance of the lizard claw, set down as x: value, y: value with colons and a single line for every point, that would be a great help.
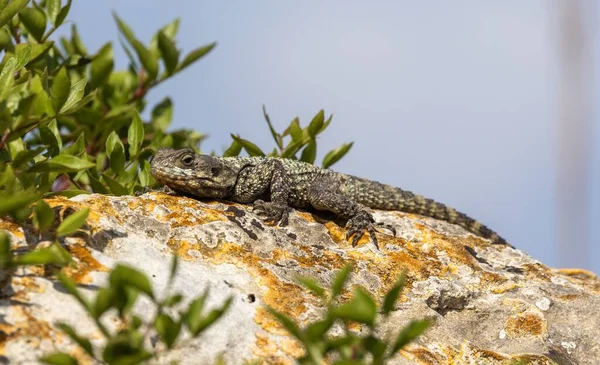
x: 272, y: 212
x: 361, y: 222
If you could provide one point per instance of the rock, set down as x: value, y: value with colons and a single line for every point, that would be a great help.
x: 491, y: 303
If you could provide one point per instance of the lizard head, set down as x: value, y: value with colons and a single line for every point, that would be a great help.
x: 199, y: 175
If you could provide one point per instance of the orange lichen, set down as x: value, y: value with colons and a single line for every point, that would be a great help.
x: 525, y: 324
x: 86, y: 263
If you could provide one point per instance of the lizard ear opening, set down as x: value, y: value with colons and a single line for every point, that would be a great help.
x: 215, y: 170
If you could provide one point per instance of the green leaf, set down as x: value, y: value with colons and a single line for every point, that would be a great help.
x: 34, y: 20
x: 60, y: 89
x: 53, y: 9
x: 77, y: 42
x: 71, y: 288
x: 10, y: 10
x: 127, y: 276
x: 62, y: 163
x: 104, y: 301
x: 340, y: 280
x: 37, y: 50
x: 195, y: 55
x: 51, y: 137
x: 287, y: 323
x: 145, y: 176
x: 413, y: 330
x: 361, y: 308
x: 193, y: 316
x: 309, y: 153
x: 75, y: 94
x: 135, y: 135
x: 173, y: 270
x: 59, y: 358
x: 391, y: 297
x: 83, y: 342
x: 55, y: 254
x: 147, y: 59
x: 72, y: 223
x: 115, y: 187
x: 275, y: 135
x: 291, y: 149
x: 124, y: 29
x: 43, y: 216
x: 6, y: 255
x: 234, y: 149
x: 294, y: 130
x: 250, y: 147
x: 212, y: 316
x: 376, y: 347
x: 167, y: 329
x: 312, y: 284
x: 12, y: 202
x: 64, y: 11
x: 335, y: 155
x: 316, y: 123
x: 168, y: 51
x: 23, y: 57
x: 172, y: 300
x: 116, y: 152
x: 102, y: 66
x: 162, y: 114
x: 6, y: 76
x: 317, y: 329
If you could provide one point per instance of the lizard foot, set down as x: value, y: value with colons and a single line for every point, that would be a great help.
x: 272, y: 212
x: 364, y: 221
x: 146, y: 189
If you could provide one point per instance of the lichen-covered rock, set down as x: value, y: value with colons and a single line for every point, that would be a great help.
x: 491, y: 303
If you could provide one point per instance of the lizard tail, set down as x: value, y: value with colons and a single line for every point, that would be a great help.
x: 382, y: 196
x: 417, y: 204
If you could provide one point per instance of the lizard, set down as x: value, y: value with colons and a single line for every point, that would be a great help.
x: 276, y: 185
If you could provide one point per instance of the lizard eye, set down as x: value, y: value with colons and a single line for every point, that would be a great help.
x: 187, y: 160
x: 214, y: 171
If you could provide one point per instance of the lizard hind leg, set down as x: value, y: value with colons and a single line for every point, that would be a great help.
x: 277, y: 213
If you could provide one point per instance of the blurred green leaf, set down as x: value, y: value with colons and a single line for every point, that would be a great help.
x: 60, y: 89
x: 115, y: 187
x: 13, y: 202
x: 173, y: 270
x: 75, y: 94
x: 59, y: 358
x: 10, y: 10
x: 409, y: 333
x: 275, y: 135
x: 54, y: 254
x: 116, y: 152
x: 64, y: 11
x: 53, y: 9
x: 316, y: 123
x: 37, y: 50
x: 23, y: 56
x: 234, y: 149
x: 77, y: 42
x: 124, y: 29
x: 72, y: 223
x: 162, y: 114
x: 43, y: 216
x: 361, y: 308
x: 83, y: 342
x: 391, y: 297
x: 123, y: 275
x: 250, y: 147
x: 340, y: 280
x: 6, y: 76
x: 193, y: 315
x: 309, y: 153
x: 335, y: 155
x: 62, y: 163
x: 204, y: 322
x: 145, y: 177
x: 195, y: 55
x: 34, y: 20
x: 5, y: 251
x: 167, y: 329
x: 312, y: 284
x: 147, y: 59
x: 168, y: 51
x: 104, y: 301
x: 135, y: 135
x: 287, y: 323
x: 102, y: 66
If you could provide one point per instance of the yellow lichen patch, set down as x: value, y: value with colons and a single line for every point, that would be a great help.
x: 497, y: 283
x: 25, y: 326
x: 86, y: 263
x: 585, y: 278
x: 11, y: 227
x: 537, y: 272
x: 525, y: 324
x: 266, y: 349
x: 292, y: 347
x: 99, y: 206
x: 422, y: 356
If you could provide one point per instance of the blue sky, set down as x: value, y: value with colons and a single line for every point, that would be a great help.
x: 452, y: 100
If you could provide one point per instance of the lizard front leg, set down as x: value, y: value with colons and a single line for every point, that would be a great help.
x: 268, y: 177
x: 324, y: 195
